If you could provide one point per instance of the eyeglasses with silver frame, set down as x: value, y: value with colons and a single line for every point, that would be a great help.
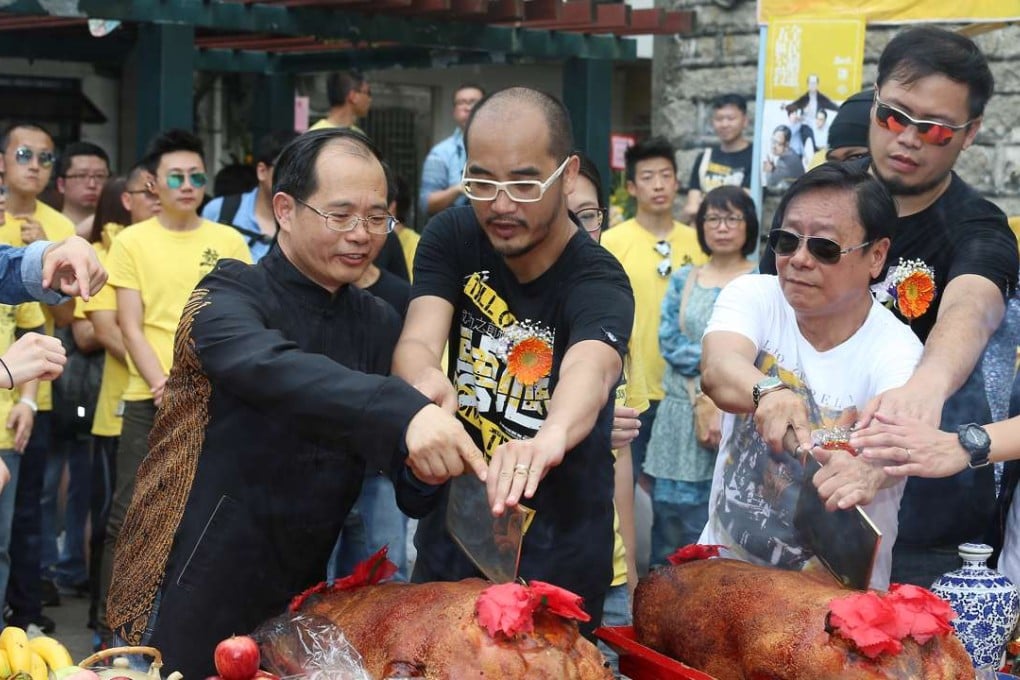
x: 379, y: 224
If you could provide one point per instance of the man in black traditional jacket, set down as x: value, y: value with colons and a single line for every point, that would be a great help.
x: 277, y: 400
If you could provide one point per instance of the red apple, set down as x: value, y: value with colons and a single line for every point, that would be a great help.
x: 237, y: 658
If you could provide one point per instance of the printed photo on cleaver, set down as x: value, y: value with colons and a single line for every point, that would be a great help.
x: 845, y: 541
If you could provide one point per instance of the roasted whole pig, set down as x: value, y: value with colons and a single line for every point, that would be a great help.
x: 738, y: 621
x: 430, y: 631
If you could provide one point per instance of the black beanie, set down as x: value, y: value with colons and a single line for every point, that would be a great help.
x: 850, y: 126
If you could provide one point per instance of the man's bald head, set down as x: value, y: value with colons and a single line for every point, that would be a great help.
x: 505, y: 105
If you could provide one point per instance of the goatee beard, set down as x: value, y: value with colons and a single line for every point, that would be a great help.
x: 897, y: 188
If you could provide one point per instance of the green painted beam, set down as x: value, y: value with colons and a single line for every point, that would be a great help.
x: 365, y: 60
x: 587, y: 94
x: 274, y: 105
x: 165, y: 72
x: 240, y: 61
x: 257, y: 18
x: 28, y: 45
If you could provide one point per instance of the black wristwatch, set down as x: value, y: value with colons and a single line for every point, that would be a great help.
x: 763, y: 387
x: 975, y: 441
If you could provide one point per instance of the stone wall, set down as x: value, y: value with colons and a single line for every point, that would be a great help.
x: 721, y: 55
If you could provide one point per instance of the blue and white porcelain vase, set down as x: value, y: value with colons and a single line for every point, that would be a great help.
x: 986, y: 603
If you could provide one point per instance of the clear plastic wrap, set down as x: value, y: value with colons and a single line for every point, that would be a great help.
x: 308, y: 646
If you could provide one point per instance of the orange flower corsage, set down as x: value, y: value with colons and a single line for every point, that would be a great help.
x: 528, y: 352
x: 911, y: 288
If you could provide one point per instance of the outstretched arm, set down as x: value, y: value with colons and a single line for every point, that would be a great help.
x: 972, y: 308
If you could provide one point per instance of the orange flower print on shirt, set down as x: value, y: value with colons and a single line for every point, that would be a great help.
x: 530, y: 360
x: 914, y: 294
x: 527, y: 350
x: 909, y: 287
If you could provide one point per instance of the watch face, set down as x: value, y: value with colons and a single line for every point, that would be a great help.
x: 975, y: 437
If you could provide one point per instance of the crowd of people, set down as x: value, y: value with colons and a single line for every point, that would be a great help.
x: 273, y: 382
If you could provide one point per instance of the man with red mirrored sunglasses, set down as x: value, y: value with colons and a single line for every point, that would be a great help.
x: 930, y: 95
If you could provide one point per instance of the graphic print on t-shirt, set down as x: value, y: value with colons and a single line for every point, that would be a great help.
x: 489, y: 396
x: 719, y: 175
x: 760, y: 488
x: 209, y: 259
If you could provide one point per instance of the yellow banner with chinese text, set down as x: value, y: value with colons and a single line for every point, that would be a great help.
x: 890, y: 11
x: 809, y: 56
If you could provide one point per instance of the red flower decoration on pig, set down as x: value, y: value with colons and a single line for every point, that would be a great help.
x: 509, y: 608
x: 694, y: 552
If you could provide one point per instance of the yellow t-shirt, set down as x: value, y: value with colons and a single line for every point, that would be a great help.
x: 1014, y: 224
x: 409, y: 238
x: 630, y: 392
x: 324, y: 124
x: 25, y: 316
x: 107, y: 420
x: 57, y: 228
x: 635, y: 248
x: 165, y: 266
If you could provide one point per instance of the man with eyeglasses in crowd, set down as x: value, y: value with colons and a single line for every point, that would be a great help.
x: 803, y: 350
x: 650, y: 246
x: 153, y: 266
x: 929, y: 99
x: 441, y: 173
x: 82, y: 169
x: 350, y: 97
x: 277, y: 401
x: 537, y: 317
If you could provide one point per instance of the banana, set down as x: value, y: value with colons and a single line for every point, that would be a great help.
x: 38, y: 669
x: 5, y: 665
x: 14, y: 641
x: 52, y: 652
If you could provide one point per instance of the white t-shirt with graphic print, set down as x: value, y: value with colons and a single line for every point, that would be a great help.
x: 754, y: 492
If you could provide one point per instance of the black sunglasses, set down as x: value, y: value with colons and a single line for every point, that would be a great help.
x: 826, y: 251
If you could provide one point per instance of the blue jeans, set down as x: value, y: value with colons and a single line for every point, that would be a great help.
x: 10, y: 490
x: 615, y: 612
x: 639, y: 446
x: 374, y: 521
x: 66, y: 566
x: 679, y: 515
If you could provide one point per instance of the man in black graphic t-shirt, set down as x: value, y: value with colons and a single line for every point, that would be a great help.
x: 727, y: 163
x: 930, y: 95
x: 537, y: 317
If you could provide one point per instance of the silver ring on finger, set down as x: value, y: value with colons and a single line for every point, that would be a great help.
x: 908, y: 454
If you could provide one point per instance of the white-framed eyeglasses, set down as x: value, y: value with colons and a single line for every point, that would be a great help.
x: 518, y: 191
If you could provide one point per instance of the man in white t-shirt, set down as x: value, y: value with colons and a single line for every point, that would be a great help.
x: 803, y: 350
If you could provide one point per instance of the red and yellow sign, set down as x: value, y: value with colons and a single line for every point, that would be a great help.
x: 890, y: 11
